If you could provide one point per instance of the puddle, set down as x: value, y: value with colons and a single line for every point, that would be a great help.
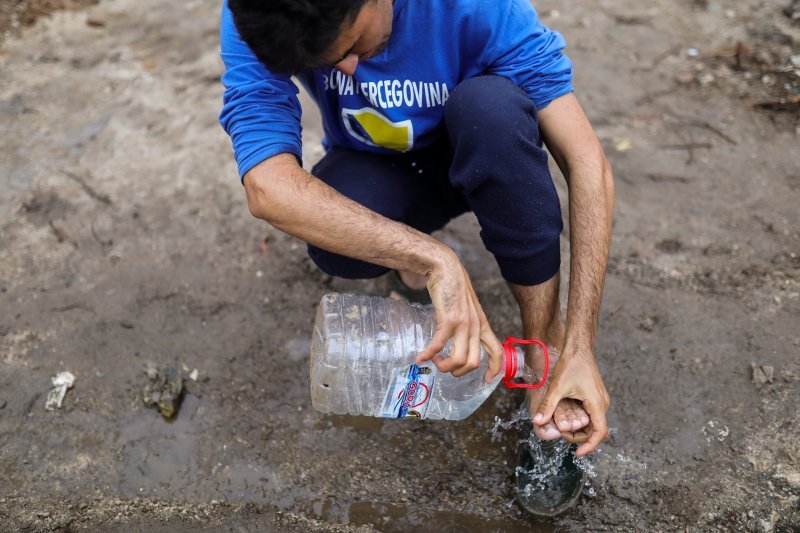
x: 159, y: 454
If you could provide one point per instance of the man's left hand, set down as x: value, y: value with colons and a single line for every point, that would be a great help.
x: 576, y: 376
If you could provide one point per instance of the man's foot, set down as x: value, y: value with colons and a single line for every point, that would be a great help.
x: 569, y: 416
x: 547, y: 478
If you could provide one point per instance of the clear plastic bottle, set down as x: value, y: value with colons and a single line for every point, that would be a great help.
x: 362, y: 362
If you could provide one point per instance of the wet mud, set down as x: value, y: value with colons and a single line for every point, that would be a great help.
x: 126, y: 242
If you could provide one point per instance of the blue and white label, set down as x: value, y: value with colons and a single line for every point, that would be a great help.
x: 409, y: 393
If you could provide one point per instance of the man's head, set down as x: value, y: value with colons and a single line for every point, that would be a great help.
x: 291, y: 35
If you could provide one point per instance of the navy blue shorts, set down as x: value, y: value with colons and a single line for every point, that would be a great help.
x: 489, y: 160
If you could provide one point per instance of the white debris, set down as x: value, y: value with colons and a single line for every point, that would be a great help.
x: 715, y: 430
x: 62, y: 382
x: 194, y: 374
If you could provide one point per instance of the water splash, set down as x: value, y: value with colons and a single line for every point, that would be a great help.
x: 547, y: 458
x: 516, y: 421
x: 586, y: 464
x: 549, y: 455
x: 628, y: 461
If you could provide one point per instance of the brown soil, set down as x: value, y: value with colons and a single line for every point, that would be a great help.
x: 126, y: 239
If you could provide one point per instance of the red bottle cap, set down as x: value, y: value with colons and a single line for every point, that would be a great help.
x: 511, y: 363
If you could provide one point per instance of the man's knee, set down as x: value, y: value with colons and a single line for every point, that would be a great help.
x: 494, y: 135
x: 491, y: 109
x: 344, y: 267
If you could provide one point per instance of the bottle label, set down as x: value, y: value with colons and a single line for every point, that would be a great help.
x: 409, y: 392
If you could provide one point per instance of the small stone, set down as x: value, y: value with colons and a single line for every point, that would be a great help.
x: 2, y: 404
x: 151, y: 370
x: 762, y: 374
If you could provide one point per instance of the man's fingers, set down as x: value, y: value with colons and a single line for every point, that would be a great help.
x: 544, y: 413
x: 494, y: 350
x: 457, y: 356
x: 599, y: 428
x: 437, y: 344
x: 473, y: 360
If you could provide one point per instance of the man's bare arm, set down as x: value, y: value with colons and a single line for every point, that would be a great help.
x: 282, y: 193
x: 576, y: 149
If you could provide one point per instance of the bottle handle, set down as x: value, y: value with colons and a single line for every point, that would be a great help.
x: 511, y: 363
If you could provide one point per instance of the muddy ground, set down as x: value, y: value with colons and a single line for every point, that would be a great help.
x: 126, y: 239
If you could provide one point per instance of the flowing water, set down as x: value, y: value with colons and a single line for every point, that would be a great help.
x: 548, y: 456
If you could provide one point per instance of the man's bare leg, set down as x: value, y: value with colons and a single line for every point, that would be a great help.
x: 412, y: 280
x: 541, y: 319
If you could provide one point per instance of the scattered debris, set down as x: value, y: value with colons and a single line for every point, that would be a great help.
x: 623, y: 145
x: 95, y: 23
x: 60, y: 234
x: 763, y: 69
x: 792, y: 11
x: 715, y: 430
x: 669, y: 178
x: 2, y: 404
x: 102, y: 198
x: 687, y: 146
x: 715, y: 130
x: 647, y: 324
x: 165, y: 390
x: 62, y: 382
x: 669, y: 246
x: 762, y: 374
x: 789, y: 376
x: 193, y: 375
x: 782, y: 104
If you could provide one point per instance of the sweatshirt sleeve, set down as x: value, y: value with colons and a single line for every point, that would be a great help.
x: 531, y: 55
x: 260, y: 111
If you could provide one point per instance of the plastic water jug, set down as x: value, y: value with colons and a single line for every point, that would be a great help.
x: 362, y: 362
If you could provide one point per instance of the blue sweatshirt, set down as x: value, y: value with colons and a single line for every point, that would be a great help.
x: 395, y: 101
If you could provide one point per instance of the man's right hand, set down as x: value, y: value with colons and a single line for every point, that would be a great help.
x: 459, y: 317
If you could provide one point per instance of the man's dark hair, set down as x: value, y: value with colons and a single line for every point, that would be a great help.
x: 290, y: 35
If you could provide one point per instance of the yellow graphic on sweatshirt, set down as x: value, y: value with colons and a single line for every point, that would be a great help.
x: 374, y: 129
